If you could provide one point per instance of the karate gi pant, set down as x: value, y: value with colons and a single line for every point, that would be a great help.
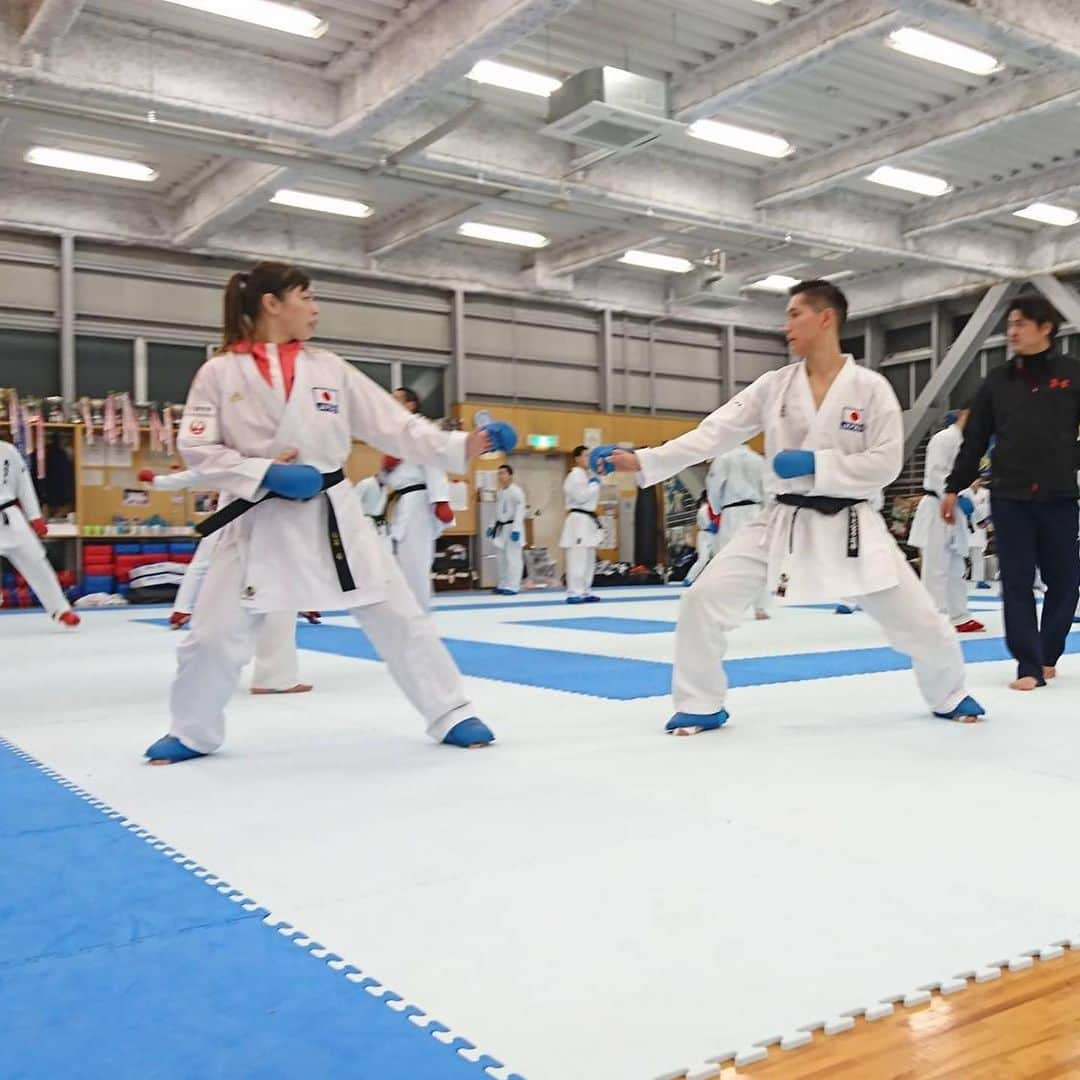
x: 978, y: 563
x: 732, y: 581
x: 277, y: 661
x: 30, y: 560
x: 187, y: 595
x: 223, y: 635
x: 580, y: 568
x: 415, y: 552
x: 943, y: 574
x: 511, y: 565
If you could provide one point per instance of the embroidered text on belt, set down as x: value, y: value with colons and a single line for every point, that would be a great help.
x: 4, y: 507
x: 825, y: 504
x: 741, y: 502
x: 231, y: 511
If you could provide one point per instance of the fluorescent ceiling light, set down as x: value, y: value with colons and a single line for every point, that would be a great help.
x: 274, y: 16
x: 753, y: 142
x: 779, y: 283
x: 653, y: 260
x: 767, y: 3
x: 498, y: 234
x: 324, y: 204
x: 840, y: 275
x: 90, y: 163
x: 906, y: 180
x: 939, y: 50
x: 512, y: 78
x: 1047, y: 214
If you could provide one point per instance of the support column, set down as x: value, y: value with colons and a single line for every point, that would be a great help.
x: 606, y: 395
x: 1064, y: 297
x: 730, y: 388
x: 141, y: 380
x: 67, y: 318
x: 458, y: 385
x: 873, y: 343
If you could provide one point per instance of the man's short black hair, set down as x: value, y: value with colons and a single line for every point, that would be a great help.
x: 508, y: 468
x: 411, y: 396
x: 1039, y: 310
x: 577, y: 450
x: 823, y: 294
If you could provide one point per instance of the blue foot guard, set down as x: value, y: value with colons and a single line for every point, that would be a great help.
x: 170, y: 750
x: 701, y: 721
x: 469, y: 732
x: 969, y: 707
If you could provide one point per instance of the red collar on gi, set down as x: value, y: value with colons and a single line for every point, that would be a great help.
x: 287, y: 353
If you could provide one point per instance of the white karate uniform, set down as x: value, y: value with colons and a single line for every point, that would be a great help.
x: 581, y: 532
x: 277, y: 662
x: 977, y: 538
x: 373, y: 495
x: 510, y: 520
x: 414, y: 528
x: 857, y: 438
x: 277, y: 556
x: 944, y: 547
x: 706, y: 543
x: 736, y: 480
x: 19, y: 544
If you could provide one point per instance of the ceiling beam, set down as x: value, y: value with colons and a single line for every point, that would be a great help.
x: 355, y: 59
x: 417, y: 221
x: 591, y: 250
x: 968, y: 207
x: 409, y: 68
x: 809, y: 39
x: 976, y: 115
x: 1047, y: 29
x: 46, y: 22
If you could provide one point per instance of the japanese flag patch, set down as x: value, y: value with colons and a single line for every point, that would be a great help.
x: 852, y: 419
x: 200, y: 424
x: 326, y: 399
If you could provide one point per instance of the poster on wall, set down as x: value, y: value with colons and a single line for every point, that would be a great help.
x: 610, y: 531
x: 592, y: 437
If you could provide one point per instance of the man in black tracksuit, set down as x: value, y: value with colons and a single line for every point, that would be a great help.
x: 1032, y: 407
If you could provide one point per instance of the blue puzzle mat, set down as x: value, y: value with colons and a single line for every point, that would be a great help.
x: 206, y: 989
x: 605, y: 624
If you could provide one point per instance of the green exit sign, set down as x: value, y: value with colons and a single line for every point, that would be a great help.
x: 543, y: 442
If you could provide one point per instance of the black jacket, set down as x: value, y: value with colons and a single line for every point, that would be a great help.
x: 1033, y: 411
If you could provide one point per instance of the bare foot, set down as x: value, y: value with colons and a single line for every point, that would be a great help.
x: 1049, y: 672
x: 1028, y: 682
x: 687, y: 731
x: 760, y: 615
x: 299, y: 688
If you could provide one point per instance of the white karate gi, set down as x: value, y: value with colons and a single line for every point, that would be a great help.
x: 857, y: 438
x: 277, y: 556
x: 414, y: 528
x: 706, y: 543
x: 581, y: 531
x: 19, y: 544
x: 510, y: 520
x: 944, y: 547
x: 277, y: 662
x: 373, y: 495
x: 736, y: 481
x: 977, y: 538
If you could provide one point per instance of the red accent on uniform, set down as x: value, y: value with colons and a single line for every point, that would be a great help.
x: 287, y: 353
x: 444, y: 513
x: 389, y: 463
x: 146, y: 476
x: 69, y: 618
x: 326, y: 395
x: 854, y: 416
x: 39, y: 526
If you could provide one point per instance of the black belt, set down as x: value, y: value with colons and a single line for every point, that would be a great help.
x: 588, y: 513
x: 825, y: 504
x: 741, y: 502
x: 378, y: 520
x: 499, y: 526
x: 932, y: 494
x: 408, y: 490
x: 230, y: 512
x: 7, y: 506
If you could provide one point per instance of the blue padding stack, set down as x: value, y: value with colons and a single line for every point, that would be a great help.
x: 185, y: 547
x: 128, y: 549
x: 155, y: 549
x: 99, y: 583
